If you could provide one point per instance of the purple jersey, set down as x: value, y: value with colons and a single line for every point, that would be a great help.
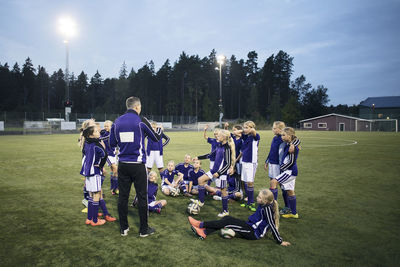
x: 157, y: 145
x: 233, y: 184
x: 167, y: 175
x: 194, y: 176
x: 238, y: 144
x: 273, y: 156
x: 263, y: 220
x: 93, y: 158
x: 184, y: 170
x: 105, y: 136
x: 214, y: 144
x: 223, y: 158
x: 250, y: 148
x: 289, y: 160
x: 152, y: 189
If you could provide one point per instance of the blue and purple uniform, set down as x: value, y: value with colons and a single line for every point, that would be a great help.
x: 194, y: 176
x: 167, y: 175
x: 105, y: 136
x: 157, y: 145
x: 184, y: 170
x: 262, y: 221
x: 93, y: 158
x: 250, y: 148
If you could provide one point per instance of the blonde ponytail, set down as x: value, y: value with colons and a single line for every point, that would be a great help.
x: 84, y: 130
x: 276, y: 214
x: 231, y: 144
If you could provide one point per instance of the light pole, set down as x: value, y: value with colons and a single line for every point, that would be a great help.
x: 67, y: 28
x: 220, y: 60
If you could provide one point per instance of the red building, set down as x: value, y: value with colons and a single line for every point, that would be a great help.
x: 336, y: 122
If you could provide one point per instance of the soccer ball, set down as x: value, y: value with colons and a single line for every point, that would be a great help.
x: 227, y: 233
x: 174, y: 192
x: 193, y: 208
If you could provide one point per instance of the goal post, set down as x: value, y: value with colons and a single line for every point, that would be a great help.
x: 384, y: 125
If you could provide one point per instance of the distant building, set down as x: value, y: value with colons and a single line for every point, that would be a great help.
x: 336, y: 122
x: 385, y: 107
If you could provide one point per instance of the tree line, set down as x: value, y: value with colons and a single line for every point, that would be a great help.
x: 188, y: 87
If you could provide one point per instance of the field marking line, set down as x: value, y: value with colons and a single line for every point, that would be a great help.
x: 352, y: 142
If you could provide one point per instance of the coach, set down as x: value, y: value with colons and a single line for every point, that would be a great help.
x: 128, y: 133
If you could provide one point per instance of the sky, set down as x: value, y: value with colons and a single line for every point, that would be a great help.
x: 349, y: 46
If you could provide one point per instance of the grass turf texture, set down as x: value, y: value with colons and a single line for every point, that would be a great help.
x: 347, y: 201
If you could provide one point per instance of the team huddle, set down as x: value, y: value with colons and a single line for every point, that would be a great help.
x: 233, y: 161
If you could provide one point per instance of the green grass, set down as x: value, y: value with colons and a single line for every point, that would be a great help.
x: 348, y: 203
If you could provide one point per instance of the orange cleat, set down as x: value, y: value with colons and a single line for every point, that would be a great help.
x: 99, y: 222
x: 88, y: 221
x: 109, y: 218
x: 199, y: 232
x: 194, y: 222
x: 99, y: 214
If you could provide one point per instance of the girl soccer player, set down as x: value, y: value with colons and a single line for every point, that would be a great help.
x: 249, y: 156
x: 94, y: 158
x: 213, y: 142
x: 185, y: 168
x: 194, y: 175
x: 223, y: 165
x: 155, y: 151
x: 288, y: 168
x: 152, y: 188
x: 111, y: 157
x: 170, y: 184
x: 265, y: 218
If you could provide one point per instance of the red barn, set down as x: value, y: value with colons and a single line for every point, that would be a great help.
x: 336, y: 122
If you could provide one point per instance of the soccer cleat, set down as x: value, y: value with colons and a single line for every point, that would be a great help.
x: 290, y: 215
x: 99, y: 222
x: 112, y: 192
x: 85, y: 202
x: 199, y: 232
x: 244, y: 205
x: 109, y: 218
x: 252, y: 207
x: 148, y: 232
x: 285, y: 210
x: 223, y: 214
x: 99, y: 214
x: 88, y: 222
x: 217, y: 197
x: 157, y: 210
x: 194, y: 222
x: 117, y: 191
x: 187, y: 194
x: 84, y: 210
x: 125, y: 232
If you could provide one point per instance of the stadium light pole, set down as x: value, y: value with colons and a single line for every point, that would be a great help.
x: 67, y: 28
x: 220, y: 60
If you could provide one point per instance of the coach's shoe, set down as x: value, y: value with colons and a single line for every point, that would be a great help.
x: 217, y: 197
x: 252, y: 207
x: 148, y: 232
x: 199, y: 232
x: 99, y: 222
x: 110, y: 218
x: 223, y: 214
x: 125, y: 232
x: 290, y: 215
x: 285, y: 210
x: 88, y: 222
x: 193, y: 221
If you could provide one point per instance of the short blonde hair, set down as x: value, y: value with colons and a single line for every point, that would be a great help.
x: 279, y: 124
x: 153, y: 173
x: 250, y: 124
x: 108, y: 122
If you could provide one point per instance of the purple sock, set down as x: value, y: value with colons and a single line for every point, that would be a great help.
x: 90, y: 209
x: 85, y: 193
x: 115, y: 182
x: 292, y: 204
x: 201, y: 225
x: 218, y: 193
x: 104, y: 207
x: 111, y: 182
x: 285, y: 197
x: 95, y: 210
x: 225, y: 203
x: 183, y: 187
x: 275, y: 192
x: 202, y: 193
x: 250, y: 195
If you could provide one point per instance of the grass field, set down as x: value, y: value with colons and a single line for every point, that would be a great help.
x: 348, y: 202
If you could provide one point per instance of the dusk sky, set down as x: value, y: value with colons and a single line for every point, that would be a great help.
x: 350, y: 47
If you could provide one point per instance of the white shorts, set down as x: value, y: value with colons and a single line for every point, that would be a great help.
x: 248, y: 172
x: 211, y: 164
x: 111, y: 160
x: 196, y: 187
x: 169, y: 187
x: 287, y: 180
x: 155, y: 157
x: 273, y: 170
x: 221, y: 182
x: 93, y: 183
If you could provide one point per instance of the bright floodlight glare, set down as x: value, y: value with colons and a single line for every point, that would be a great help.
x: 67, y: 27
x: 220, y: 59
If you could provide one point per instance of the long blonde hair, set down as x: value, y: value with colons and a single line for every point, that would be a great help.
x: 227, y: 135
x: 268, y: 198
x: 85, y: 131
x: 290, y: 131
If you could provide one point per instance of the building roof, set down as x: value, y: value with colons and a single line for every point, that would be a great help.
x: 382, y: 102
x: 334, y: 114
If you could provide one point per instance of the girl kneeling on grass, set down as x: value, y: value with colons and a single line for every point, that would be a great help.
x: 266, y: 217
x: 94, y: 158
